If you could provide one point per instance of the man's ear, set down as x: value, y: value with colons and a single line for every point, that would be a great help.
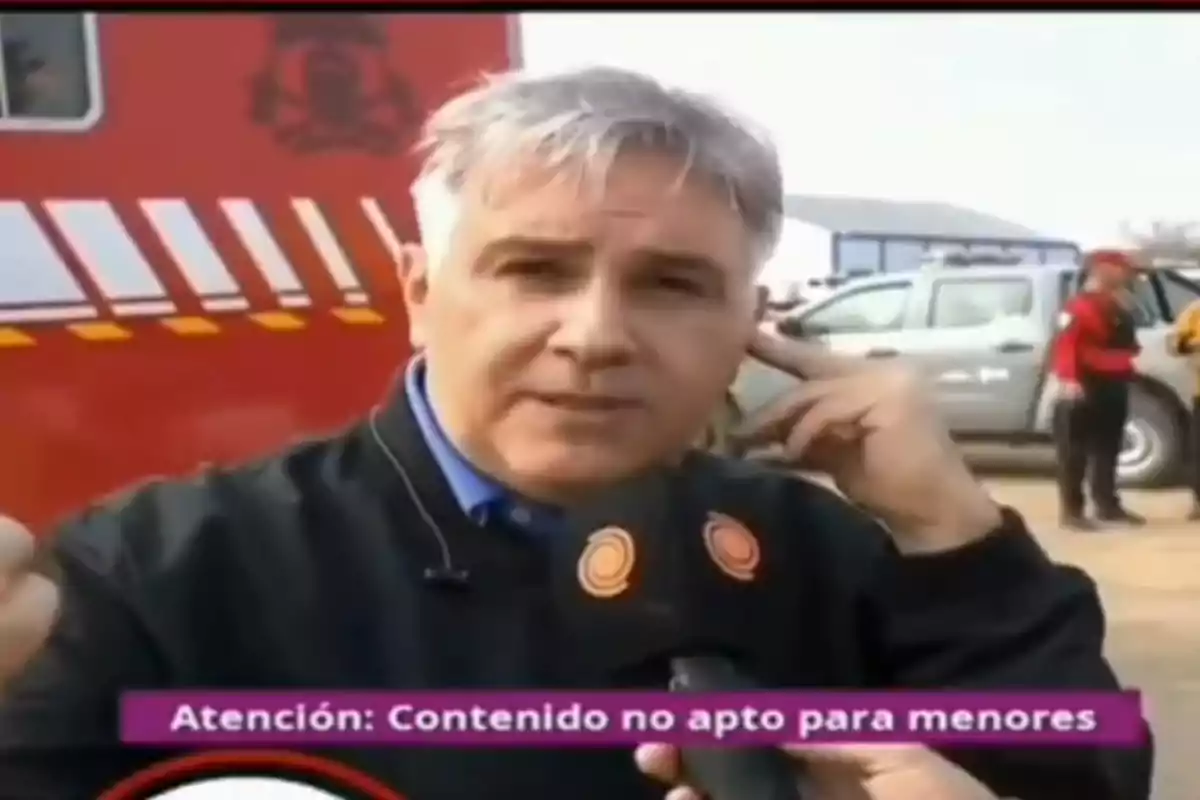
x: 413, y: 274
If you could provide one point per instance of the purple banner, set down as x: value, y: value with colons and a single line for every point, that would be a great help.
x: 528, y: 719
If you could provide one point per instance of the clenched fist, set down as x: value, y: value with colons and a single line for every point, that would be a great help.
x: 847, y: 772
x: 28, y: 601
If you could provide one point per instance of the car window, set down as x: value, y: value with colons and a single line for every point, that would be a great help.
x: 866, y: 310
x: 1068, y: 285
x: 1180, y: 292
x: 1147, y: 308
x: 963, y: 302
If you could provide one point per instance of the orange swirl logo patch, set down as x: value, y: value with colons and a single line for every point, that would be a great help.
x: 732, y: 547
x: 607, y: 562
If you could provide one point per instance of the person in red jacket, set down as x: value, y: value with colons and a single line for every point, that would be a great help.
x: 1093, y: 364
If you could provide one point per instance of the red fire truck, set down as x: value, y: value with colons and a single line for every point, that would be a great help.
x: 199, y: 216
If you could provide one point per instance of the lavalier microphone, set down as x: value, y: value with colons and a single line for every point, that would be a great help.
x: 447, y: 577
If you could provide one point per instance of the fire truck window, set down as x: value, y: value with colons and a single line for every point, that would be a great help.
x: 48, y: 66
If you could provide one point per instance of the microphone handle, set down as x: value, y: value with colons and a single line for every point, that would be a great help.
x: 731, y: 773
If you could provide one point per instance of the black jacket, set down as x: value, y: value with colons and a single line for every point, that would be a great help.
x: 307, y: 570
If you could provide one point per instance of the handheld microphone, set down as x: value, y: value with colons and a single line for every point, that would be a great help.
x: 745, y: 773
x: 677, y: 617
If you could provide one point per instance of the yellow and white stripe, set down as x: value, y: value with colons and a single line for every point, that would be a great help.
x: 194, y: 327
x: 37, y: 286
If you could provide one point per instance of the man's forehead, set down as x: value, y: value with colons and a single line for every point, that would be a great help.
x: 650, y: 208
x: 628, y: 187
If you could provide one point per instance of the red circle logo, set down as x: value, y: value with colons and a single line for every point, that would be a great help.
x: 254, y: 775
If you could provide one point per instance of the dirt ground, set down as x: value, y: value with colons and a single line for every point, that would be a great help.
x: 1150, y: 581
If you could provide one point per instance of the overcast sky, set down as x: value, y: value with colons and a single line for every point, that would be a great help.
x: 1068, y: 123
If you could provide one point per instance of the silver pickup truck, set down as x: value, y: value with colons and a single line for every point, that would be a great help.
x: 982, y: 336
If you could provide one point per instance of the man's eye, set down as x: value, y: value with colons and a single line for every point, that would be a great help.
x: 534, y: 269
x: 674, y: 283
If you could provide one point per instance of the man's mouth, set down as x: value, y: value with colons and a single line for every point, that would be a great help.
x: 587, y: 402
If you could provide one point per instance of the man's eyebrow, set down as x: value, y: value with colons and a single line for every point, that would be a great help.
x: 532, y: 244
x: 572, y: 248
x: 681, y: 260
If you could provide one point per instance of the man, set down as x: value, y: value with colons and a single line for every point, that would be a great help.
x: 1186, y: 342
x: 583, y: 296
x: 1093, y: 364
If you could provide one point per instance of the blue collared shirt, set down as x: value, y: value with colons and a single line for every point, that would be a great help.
x: 480, y: 497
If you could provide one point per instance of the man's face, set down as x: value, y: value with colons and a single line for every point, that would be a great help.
x: 1112, y: 276
x: 577, y: 334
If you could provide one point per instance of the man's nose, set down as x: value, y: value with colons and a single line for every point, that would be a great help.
x: 594, y: 328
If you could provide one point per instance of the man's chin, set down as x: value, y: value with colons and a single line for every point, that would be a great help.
x: 578, y: 468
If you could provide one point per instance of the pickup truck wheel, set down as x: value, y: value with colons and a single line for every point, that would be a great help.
x: 1152, y: 452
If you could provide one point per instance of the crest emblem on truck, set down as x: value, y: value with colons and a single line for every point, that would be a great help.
x: 329, y: 86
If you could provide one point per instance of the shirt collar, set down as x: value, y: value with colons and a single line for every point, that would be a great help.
x: 480, y: 497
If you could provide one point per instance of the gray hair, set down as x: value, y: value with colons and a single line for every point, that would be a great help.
x: 588, y: 116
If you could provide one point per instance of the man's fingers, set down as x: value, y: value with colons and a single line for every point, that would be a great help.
x: 28, y: 601
x: 27, y: 613
x: 17, y: 548
x: 805, y: 360
x: 659, y: 761
x: 827, y: 407
x: 16, y: 543
x: 774, y: 422
x: 868, y: 758
x: 837, y: 416
x: 826, y: 421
